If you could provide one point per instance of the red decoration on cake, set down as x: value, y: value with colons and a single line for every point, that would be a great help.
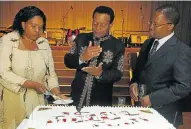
x: 109, y: 124
x: 49, y: 121
x: 104, y: 117
x: 77, y: 113
x: 64, y: 120
x: 134, y: 120
x: 73, y: 119
x: 144, y: 119
x: 66, y: 113
x: 92, y: 115
x: 90, y: 118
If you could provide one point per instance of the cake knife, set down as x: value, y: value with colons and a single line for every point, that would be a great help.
x: 54, y: 96
x: 78, y: 109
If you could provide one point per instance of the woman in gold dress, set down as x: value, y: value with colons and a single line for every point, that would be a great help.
x: 26, y: 68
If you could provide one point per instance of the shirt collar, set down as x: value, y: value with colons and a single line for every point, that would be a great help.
x: 164, y: 39
x: 101, y: 38
x: 15, y: 37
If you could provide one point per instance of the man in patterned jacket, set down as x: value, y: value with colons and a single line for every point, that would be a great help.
x: 98, y: 58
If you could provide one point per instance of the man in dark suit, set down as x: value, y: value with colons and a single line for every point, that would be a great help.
x: 98, y: 58
x: 164, y: 66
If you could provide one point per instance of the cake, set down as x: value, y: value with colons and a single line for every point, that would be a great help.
x: 96, y: 117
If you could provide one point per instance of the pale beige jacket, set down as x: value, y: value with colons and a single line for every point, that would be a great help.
x: 12, y: 81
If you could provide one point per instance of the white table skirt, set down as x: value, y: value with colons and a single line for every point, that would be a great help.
x: 23, y: 124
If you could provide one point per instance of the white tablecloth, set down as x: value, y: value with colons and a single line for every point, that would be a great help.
x: 23, y: 124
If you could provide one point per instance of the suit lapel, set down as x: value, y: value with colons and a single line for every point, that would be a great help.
x: 143, y: 55
x: 146, y: 51
x: 164, y: 49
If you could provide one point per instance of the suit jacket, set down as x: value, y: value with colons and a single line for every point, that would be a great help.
x: 167, y: 75
x: 112, y: 56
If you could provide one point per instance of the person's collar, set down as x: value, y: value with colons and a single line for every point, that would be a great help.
x: 101, y: 38
x: 15, y: 36
x: 164, y: 39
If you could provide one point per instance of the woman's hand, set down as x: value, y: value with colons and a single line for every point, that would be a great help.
x: 58, y: 95
x: 62, y: 96
x: 38, y: 87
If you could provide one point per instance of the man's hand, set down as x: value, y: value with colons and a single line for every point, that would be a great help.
x: 95, y: 71
x: 90, y: 52
x: 145, y: 101
x: 134, y: 92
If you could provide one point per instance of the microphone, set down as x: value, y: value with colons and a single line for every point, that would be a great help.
x: 71, y: 7
x: 122, y: 15
x: 142, y: 16
x: 141, y: 7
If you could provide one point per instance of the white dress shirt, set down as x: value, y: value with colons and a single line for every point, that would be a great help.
x: 163, y: 40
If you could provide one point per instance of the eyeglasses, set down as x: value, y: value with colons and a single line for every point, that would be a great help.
x: 155, y: 25
x: 35, y: 26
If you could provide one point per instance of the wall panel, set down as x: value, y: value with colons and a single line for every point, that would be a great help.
x: 81, y: 15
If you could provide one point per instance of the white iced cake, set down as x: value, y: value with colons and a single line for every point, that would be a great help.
x: 96, y: 117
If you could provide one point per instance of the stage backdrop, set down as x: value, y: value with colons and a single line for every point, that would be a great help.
x: 76, y: 14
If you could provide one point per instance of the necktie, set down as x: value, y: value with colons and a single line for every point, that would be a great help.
x: 154, y: 48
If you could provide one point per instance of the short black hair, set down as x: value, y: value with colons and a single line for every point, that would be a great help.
x: 171, y: 13
x: 105, y: 9
x: 26, y: 14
